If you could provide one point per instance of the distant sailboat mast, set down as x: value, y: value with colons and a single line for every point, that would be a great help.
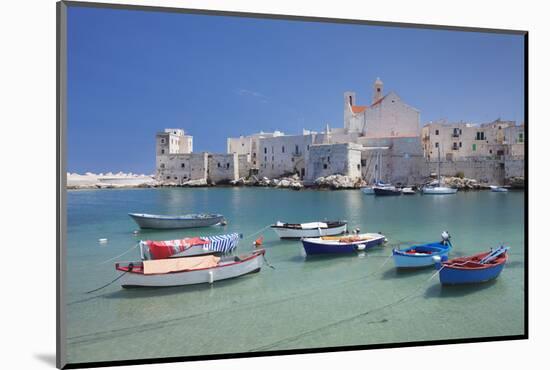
x: 438, y: 166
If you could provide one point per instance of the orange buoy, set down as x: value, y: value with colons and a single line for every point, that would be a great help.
x: 258, y: 242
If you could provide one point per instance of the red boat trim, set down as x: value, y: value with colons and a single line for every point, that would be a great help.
x: 455, y: 263
x: 253, y: 255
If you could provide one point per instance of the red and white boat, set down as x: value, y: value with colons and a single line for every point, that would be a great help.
x: 188, y: 270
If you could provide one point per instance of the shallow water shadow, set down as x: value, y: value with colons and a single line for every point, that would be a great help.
x: 514, y: 264
x: 461, y: 290
x: 149, y: 292
x: 47, y: 358
x: 395, y: 273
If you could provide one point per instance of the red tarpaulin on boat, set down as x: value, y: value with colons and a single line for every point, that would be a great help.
x: 165, y: 249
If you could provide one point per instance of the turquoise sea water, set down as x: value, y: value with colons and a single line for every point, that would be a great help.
x: 303, y: 302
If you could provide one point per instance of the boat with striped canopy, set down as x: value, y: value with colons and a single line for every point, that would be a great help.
x: 188, y: 270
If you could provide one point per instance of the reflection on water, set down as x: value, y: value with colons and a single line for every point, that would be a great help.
x: 303, y: 302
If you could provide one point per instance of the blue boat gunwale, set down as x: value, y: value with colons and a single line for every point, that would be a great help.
x: 451, y: 264
x: 438, y: 247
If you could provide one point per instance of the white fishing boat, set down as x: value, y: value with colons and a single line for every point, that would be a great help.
x: 441, y: 190
x: 408, y: 191
x: 188, y: 270
x: 309, y: 229
x: 148, y: 221
x: 438, y: 189
x: 498, y: 189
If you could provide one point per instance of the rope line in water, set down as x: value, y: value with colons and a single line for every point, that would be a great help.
x: 120, y: 255
x: 109, y: 283
x: 257, y: 232
x: 336, y: 323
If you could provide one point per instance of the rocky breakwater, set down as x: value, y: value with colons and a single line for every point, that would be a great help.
x: 463, y: 183
x: 291, y: 182
x: 516, y: 182
x: 337, y: 182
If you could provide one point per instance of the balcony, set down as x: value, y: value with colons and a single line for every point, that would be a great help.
x: 455, y: 134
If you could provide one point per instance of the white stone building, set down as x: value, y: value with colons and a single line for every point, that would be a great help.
x: 177, y: 164
x: 249, y: 145
x: 460, y: 141
x: 332, y: 159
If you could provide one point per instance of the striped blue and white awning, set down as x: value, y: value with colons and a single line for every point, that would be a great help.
x: 222, y: 243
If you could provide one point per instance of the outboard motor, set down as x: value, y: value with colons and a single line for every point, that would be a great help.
x: 445, y: 238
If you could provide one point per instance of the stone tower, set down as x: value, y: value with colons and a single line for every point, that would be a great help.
x: 349, y: 100
x: 378, y: 90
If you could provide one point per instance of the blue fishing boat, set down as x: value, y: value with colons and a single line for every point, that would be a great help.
x: 472, y: 269
x: 422, y: 255
x: 342, y: 244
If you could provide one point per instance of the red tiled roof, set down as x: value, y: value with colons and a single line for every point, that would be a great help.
x: 358, y: 108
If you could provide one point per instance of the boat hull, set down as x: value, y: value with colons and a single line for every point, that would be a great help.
x: 451, y: 276
x: 368, y: 191
x: 439, y: 191
x: 386, y: 192
x: 209, y: 275
x: 405, y: 260
x: 285, y: 233
x: 167, y: 222
x: 314, y: 246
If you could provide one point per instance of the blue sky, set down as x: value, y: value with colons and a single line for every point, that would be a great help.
x: 133, y: 73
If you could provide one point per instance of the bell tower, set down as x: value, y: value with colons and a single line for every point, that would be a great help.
x: 378, y: 90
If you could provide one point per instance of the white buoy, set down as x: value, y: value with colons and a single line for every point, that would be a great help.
x: 361, y: 247
x: 210, y: 277
x: 135, y: 232
x: 103, y: 240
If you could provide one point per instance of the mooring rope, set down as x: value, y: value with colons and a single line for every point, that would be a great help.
x: 106, y: 285
x: 120, y: 255
x: 267, y: 262
x: 257, y: 232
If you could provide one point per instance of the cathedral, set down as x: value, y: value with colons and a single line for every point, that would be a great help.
x: 386, y: 116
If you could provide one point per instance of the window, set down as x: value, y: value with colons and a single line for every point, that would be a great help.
x: 265, y: 150
x: 292, y: 159
x: 325, y: 166
x: 175, y: 177
x: 359, y: 167
x: 308, y: 147
x: 460, y: 144
x: 219, y: 165
x: 328, y: 159
x: 474, y: 147
x: 350, y: 101
x: 437, y: 145
x: 363, y: 162
x: 437, y: 132
x: 265, y: 159
x: 183, y: 165
x: 297, y: 149
x: 227, y: 165
x: 162, y: 165
x: 162, y: 141
x: 480, y: 135
x: 168, y: 177
x: 491, y: 151
x: 283, y: 149
x: 162, y: 151
x: 520, y: 137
